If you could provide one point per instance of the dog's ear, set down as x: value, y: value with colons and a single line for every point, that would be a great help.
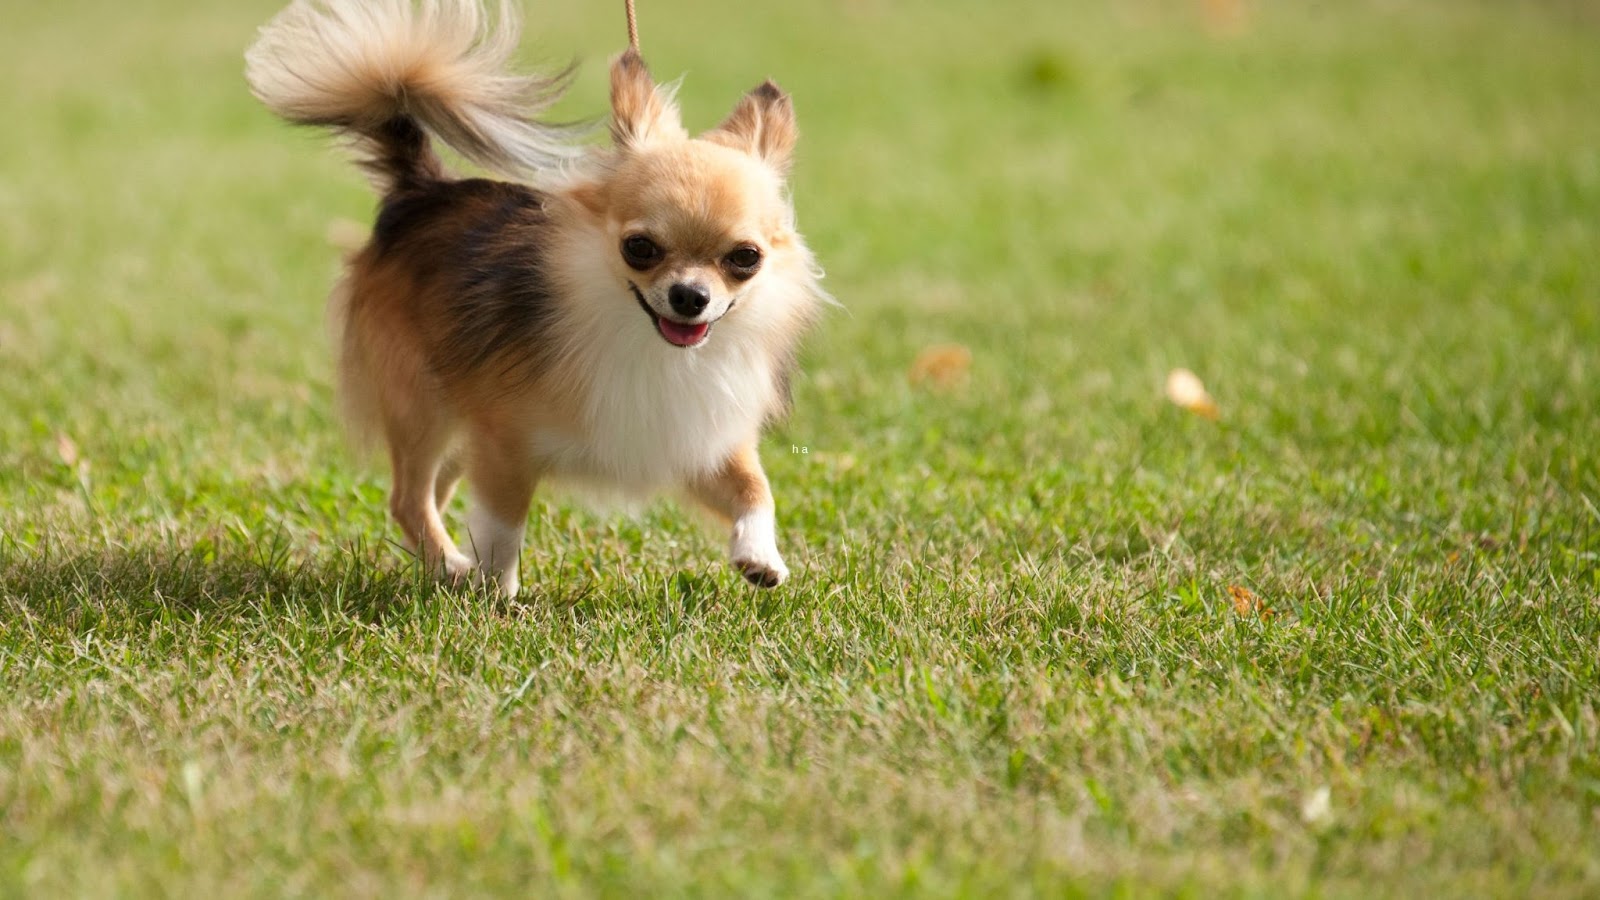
x: 641, y: 112
x: 762, y: 125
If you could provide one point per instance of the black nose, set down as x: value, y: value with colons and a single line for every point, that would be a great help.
x: 688, y: 299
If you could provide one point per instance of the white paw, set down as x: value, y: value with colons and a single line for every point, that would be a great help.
x: 496, y: 547
x: 754, y: 550
x: 460, y: 571
x: 456, y: 568
x: 507, y: 585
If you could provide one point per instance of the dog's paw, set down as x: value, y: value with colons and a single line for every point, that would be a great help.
x: 754, y: 551
x: 506, y: 586
x: 495, y: 547
x: 762, y: 575
x: 456, y: 568
x: 462, y: 573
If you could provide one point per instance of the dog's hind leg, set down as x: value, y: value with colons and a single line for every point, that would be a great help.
x: 502, y: 478
x: 417, y: 456
x: 444, y: 485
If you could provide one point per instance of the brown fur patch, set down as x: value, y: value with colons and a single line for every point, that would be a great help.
x: 474, y: 252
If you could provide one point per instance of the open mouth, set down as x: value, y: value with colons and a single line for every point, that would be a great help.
x: 679, y: 334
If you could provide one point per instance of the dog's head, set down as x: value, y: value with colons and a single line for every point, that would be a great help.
x: 699, y: 227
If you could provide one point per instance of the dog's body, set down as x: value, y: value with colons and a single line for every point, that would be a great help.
x: 629, y: 324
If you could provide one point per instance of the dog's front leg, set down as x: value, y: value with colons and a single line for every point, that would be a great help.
x: 738, y: 493
x: 502, y: 479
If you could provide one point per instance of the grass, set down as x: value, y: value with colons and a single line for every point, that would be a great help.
x: 1008, y: 662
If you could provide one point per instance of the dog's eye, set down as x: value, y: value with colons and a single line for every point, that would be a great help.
x: 743, y: 261
x: 640, y: 252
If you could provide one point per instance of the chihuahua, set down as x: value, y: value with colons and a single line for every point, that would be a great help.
x: 623, y: 317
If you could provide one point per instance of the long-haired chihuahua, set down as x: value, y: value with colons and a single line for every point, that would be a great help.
x: 622, y: 316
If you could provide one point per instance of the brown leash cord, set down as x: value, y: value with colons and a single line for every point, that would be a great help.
x: 633, y: 29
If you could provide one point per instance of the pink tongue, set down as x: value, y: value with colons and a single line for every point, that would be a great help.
x: 681, y: 334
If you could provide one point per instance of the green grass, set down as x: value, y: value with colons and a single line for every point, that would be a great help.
x: 1007, y: 662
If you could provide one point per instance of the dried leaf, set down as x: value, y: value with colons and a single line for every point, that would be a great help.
x: 1185, y: 389
x: 1246, y: 603
x: 1225, y: 16
x: 941, y: 366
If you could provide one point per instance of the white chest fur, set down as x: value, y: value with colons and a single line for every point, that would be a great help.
x: 652, y: 414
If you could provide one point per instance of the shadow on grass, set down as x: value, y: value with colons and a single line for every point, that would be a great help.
x: 232, y: 580
x: 205, y: 579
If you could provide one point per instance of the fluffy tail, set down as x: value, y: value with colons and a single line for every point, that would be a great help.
x: 388, y: 71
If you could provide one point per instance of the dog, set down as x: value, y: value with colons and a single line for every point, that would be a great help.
x: 622, y: 316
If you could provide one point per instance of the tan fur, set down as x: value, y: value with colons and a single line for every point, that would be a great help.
x: 499, y: 332
x: 642, y: 113
x: 739, y: 484
x: 763, y: 126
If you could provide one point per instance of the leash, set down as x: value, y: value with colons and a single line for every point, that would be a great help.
x: 633, y: 29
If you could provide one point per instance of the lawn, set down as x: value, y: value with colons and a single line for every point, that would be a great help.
x: 1047, y: 633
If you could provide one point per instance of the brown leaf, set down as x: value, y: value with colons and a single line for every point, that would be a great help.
x: 1246, y: 603
x: 1225, y: 16
x: 941, y: 366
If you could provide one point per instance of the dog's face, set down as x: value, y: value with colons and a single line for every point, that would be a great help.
x: 697, y: 225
